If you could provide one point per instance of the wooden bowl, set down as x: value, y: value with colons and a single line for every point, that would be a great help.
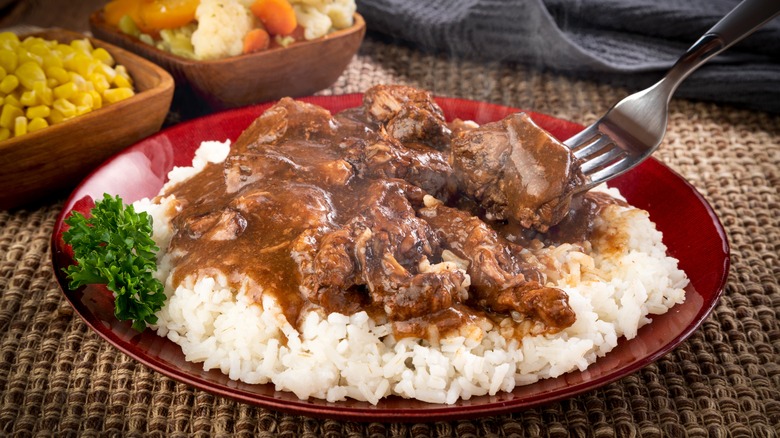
x: 56, y: 158
x: 300, y: 69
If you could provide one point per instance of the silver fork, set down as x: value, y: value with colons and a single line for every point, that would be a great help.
x: 634, y: 127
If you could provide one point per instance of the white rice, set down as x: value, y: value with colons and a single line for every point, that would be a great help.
x: 613, y: 289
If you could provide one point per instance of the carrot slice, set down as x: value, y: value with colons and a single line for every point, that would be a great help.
x: 277, y: 16
x: 256, y: 40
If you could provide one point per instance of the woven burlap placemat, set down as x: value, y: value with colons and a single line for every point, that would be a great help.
x: 58, y: 378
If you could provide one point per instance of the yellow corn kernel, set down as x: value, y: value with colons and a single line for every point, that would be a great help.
x: 30, y: 41
x: 8, y: 115
x: 40, y: 111
x: 13, y: 100
x: 9, y: 84
x: 39, y: 48
x: 8, y: 40
x: 82, y: 98
x: 97, y: 99
x: 122, y: 71
x: 20, y: 126
x: 82, y: 109
x: 121, y: 81
x: 65, y: 108
x: 66, y: 90
x: 29, y: 98
x: 59, y: 74
x: 116, y: 94
x: 99, y: 81
x: 103, y: 56
x: 5, y: 134
x: 83, y: 46
x: 29, y: 73
x: 3, y: 73
x: 52, y: 60
x: 55, y: 117
x: 79, y: 80
x: 81, y: 63
x: 23, y: 56
x: 108, y: 72
x: 64, y: 50
x: 8, y: 60
x: 36, y: 124
x: 44, y: 93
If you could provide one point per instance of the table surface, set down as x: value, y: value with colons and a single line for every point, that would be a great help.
x: 57, y: 377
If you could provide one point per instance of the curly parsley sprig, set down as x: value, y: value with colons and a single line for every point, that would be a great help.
x: 114, y: 247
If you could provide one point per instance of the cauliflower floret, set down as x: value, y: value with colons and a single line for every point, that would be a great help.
x: 341, y: 13
x: 318, y: 17
x: 222, y: 25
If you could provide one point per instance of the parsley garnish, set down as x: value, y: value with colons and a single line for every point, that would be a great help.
x: 114, y: 247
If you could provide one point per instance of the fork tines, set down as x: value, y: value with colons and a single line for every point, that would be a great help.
x: 599, y: 155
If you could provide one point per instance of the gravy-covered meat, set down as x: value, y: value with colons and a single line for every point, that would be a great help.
x: 516, y: 171
x: 417, y: 164
x: 358, y: 211
x: 408, y: 115
x: 500, y: 280
x: 388, y: 250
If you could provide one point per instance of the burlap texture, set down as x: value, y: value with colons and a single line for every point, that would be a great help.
x: 59, y: 378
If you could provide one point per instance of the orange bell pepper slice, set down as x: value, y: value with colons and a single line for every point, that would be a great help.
x: 168, y: 14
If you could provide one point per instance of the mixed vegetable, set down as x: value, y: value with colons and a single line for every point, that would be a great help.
x: 211, y: 29
x: 45, y: 82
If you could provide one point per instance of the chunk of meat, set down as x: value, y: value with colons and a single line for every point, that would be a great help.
x: 215, y: 225
x: 288, y: 119
x: 416, y: 164
x: 288, y: 141
x: 327, y: 270
x: 408, y: 115
x: 387, y: 249
x: 516, y: 171
x: 500, y: 280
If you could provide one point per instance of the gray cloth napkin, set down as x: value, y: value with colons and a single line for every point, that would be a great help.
x: 624, y: 42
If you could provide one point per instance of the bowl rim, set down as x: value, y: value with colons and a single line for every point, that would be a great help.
x: 165, y: 83
x: 96, y: 19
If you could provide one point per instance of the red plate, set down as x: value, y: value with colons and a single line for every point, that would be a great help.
x: 691, y: 231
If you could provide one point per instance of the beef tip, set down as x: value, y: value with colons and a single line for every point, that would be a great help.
x: 578, y: 225
x: 548, y: 305
x: 417, y: 164
x: 294, y: 205
x: 386, y: 249
x: 516, y: 171
x: 215, y: 225
x: 335, y: 173
x: 288, y: 141
x: 244, y: 170
x: 408, y: 115
x: 328, y: 274
x: 500, y: 280
x: 287, y: 119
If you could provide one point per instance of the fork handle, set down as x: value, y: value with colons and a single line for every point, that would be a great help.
x: 743, y: 20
